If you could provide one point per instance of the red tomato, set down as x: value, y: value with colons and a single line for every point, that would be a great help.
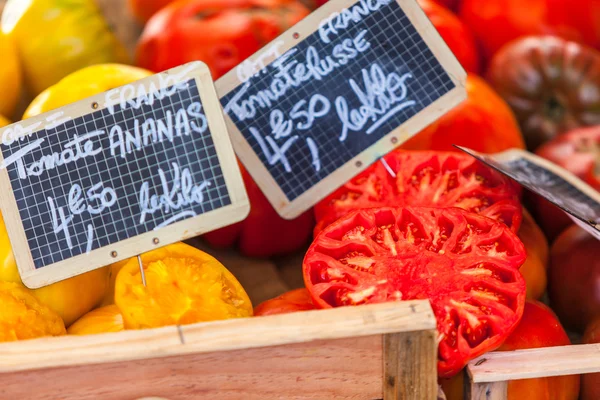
x: 465, y: 264
x: 455, y: 33
x: 263, y: 233
x: 539, y: 327
x: 574, y: 278
x: 551, y: 84
x: 222, y: 34
x: 430, y: 179
x: 144, y: 9
x: 292, y: 301
x: 590, y: 383
x: 496, y: 22
x: 575, y: 151
x: 535, y: 268
x: 483, y: 122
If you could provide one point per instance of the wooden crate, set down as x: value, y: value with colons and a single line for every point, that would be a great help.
x: 487, y: 377
x: 381, y: 351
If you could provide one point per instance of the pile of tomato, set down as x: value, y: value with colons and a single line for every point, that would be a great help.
x: 503, y: 268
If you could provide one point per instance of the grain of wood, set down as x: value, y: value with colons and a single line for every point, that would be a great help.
x: 486, y: 391
x: 334, y: 369
x: 535, y: 363
x: 410, y: 366
x: 233, y: 334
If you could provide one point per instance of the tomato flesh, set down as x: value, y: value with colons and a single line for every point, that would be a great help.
x: 465, y: 264
x: 429, y: 179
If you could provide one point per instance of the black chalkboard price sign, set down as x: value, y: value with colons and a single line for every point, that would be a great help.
x: 557, y: 185
x: 117, y: 174
x: 334, y: 93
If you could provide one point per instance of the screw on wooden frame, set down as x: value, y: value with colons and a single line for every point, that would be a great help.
x: 95, y: 105
x: 155, y: 241
x: 296, y: 35
x: 358, y: 164
x: 113, y: 254
x: 394, y: 140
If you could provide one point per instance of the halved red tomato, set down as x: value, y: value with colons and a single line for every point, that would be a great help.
x: 294, y: 300
x: 428, y: 179
x: 465, y: 264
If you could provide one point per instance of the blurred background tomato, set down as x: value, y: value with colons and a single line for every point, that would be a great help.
x: 482, y: 111
x: 220, y: 33
x: 497, y: 22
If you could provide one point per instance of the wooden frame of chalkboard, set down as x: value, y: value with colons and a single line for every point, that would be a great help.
x: 236, y: 208
x: 226, y: 85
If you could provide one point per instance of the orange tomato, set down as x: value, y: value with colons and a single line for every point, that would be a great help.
x: 100, y: 320
x: 22, y: 316
x: 184, y: 285
x: 483, y: 122
x: 455, y: 33
x: 534, y: 269
x: 291, y: 301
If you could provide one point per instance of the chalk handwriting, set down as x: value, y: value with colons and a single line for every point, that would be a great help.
x: 181, y: 191
x: 381, y: 97
x: 97, y: 199
x: 294, y: 74
x: 339, y: 21
x: 249, y: 67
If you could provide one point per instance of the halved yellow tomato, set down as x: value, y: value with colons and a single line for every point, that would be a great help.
x: 184, y: 285
x: 22, y: 316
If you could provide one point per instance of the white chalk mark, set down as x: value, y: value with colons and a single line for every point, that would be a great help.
x: 181, y: 215
x: 90, y: 238
x: 389, y: 115
x: 276, y: 154
x: 314, y: 152
x: 17, y: 155
x: 387, y: 167
x: 55, y: 120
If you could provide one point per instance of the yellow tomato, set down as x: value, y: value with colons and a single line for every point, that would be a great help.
x: 10, y: 76
x: 57, y: 37
x: 22, y: 316
x: 100, y: 320
x: 184, y: 285
x: 4, y: 121
x: 84, y: 83
x: 70, y: 298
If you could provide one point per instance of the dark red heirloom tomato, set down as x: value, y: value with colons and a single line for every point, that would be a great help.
x: 222, y: 34
x: 465, y: 264
x: 592, y: 177
x: 576, y: 151
x: 496, y: 22
x: 574, y: 278
x: 551, y: 84
x: 292, y: 301
x: 483, y: 122
x: 430, y: 179
x: 455, y: 33
x: 263, y: 233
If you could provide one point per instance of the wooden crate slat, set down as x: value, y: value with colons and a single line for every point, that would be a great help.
x: 535, y: 363
x: 349, y: 368
x: 339, y: 323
